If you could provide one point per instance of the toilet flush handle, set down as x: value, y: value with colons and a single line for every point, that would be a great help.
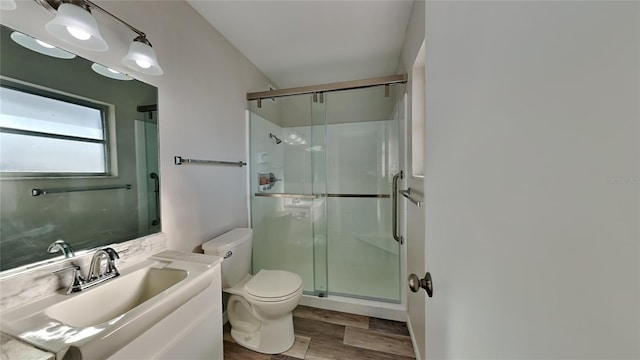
x: 228, y: 254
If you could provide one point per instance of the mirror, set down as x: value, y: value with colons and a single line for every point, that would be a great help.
x: 78, y: 154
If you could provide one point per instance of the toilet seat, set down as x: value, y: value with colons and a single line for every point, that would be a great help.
x: 273, y: 285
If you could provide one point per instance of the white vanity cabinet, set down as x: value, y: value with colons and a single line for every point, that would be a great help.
x: 193, y: 331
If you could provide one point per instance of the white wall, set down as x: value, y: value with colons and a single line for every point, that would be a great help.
x: 201, y: 108
x: 533, y: 179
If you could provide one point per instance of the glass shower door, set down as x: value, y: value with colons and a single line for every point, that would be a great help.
x: 287, y: 206
x: 362, y: 156
x: 321, y: 172
x: 146, y: 144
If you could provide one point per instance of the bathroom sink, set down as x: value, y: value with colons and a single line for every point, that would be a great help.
x: 115, y: 297
x: 94, y: 323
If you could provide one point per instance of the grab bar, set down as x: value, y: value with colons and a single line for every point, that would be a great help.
x: 179, y: 160
x: 394, y: 210
x: 407, y: 194
x: 38, y: 192
x: 284, y: 195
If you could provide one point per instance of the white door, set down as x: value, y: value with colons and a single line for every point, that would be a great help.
x: 415, y: 215
x: 416, y: 302
x: 532, y: 201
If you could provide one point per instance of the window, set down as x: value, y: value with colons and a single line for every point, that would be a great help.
x: 44, y: 133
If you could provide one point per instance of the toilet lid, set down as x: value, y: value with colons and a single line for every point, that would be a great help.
x: 273, y: 284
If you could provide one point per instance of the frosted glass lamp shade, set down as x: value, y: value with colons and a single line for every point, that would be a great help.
x: 40, y: 46
x: 76, y: 26
x: 142, y: 58
x: 8, y: 5
x: 109, y: 72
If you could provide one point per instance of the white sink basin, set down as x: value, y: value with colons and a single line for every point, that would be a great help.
x: 96, y: 322
x: 115, y: 297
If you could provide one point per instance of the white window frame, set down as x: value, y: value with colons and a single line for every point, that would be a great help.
x: 108, y: 129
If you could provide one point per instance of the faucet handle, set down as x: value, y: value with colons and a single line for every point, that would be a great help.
x: 112, y: 253
x: 111, y: 266
x: 78, y: 280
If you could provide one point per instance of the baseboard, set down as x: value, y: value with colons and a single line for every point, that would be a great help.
x: 413, y: 339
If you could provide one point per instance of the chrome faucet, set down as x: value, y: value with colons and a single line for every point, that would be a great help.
x: 95, y: 269
x: 77, y: 282
x: 61, y: 245
x: 95, y: 275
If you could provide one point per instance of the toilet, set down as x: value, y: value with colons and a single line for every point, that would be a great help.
x: 259, y: 307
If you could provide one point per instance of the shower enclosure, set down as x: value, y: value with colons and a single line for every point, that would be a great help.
x: 322, y: 165
x: 148, y: 180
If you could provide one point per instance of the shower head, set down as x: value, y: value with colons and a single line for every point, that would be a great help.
x: 278, y: 141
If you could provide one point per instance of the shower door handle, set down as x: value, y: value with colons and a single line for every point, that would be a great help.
x: 394, y: 210
x: 156, y: 190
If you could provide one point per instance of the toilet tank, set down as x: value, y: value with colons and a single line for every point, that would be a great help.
x: 235, y: 247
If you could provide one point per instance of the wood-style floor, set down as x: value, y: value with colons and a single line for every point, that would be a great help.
x: 331, y: 335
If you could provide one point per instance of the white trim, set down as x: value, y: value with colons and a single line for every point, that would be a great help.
x: 247, y: 169
x: 416, y: 351
x: 141, y: 175
x: 397, y: 312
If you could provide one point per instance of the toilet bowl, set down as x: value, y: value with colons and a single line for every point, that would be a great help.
x: 259, y: 307
x: 262, y: 321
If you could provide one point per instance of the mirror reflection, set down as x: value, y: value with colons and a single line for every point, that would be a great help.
x: 78, y: 153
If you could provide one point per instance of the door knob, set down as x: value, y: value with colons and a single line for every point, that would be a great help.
x: 415, y: 283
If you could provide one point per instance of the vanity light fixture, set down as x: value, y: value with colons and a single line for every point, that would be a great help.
x: 40, y: 46
x: 75, y: 24
x: 141, y: 57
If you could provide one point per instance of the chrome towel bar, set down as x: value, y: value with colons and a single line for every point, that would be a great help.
x: 410, y: 197
x: 179, y: 160
x: 38, y: 192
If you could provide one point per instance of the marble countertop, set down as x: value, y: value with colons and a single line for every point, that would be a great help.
x: 11, y: 349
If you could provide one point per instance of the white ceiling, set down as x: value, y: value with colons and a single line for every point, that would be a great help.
x: 307, y: 42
